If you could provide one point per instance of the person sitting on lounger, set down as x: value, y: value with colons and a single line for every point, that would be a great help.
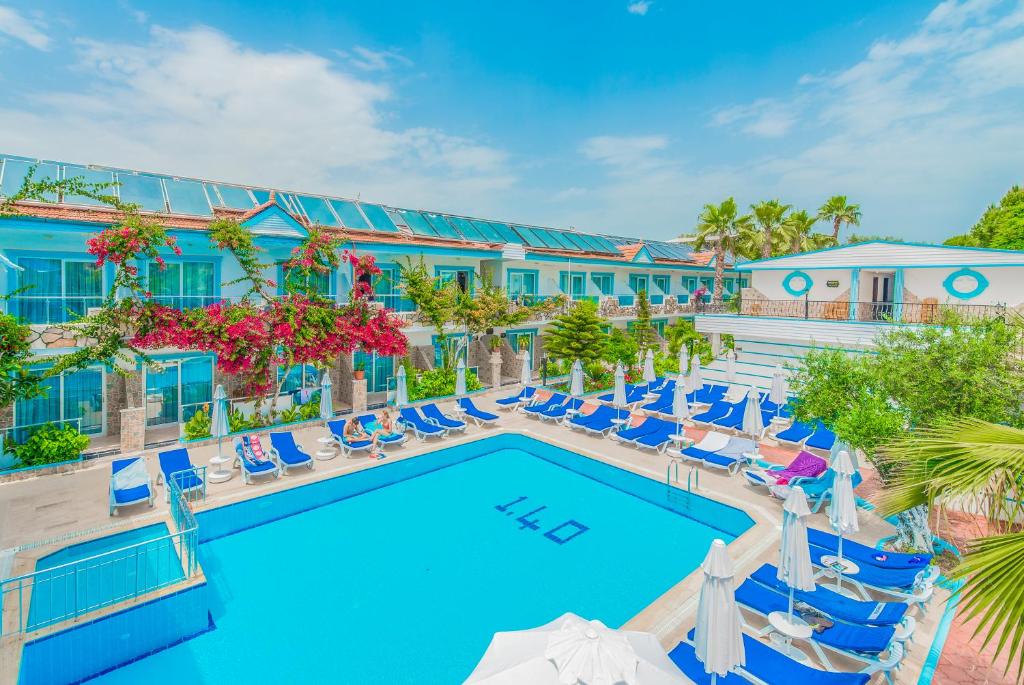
x: 387, y: 424
x: 355, y: 431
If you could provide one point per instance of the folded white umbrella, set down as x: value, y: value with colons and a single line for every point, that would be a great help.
x: 718, y: 635
x: 795, y: 554
x: 842, y: 510
x: 753, y: 422
x: 526, y: 375
x: 326, y: 401
x: 460, y: 377
x: 780, y: 388
x: 843, y: 446
x: 573, y: 651
x: 576, y: 379
x: 619, y: 396
x: 649, y: 376
x: 730, y: 366
x: 680, y: 407
x: 401, y: 389
x: 219, y: 423
x: 695, y: 376
x: 684, y: 366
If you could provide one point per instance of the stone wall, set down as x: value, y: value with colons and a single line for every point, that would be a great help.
x: 342, y: 378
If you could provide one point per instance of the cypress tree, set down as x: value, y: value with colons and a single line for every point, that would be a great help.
x: 642, y: 330
x: 577, y: 334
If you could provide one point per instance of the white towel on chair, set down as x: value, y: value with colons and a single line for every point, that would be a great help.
x: 132, y: 476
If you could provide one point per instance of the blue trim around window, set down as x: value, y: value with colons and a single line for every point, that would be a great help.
x: 468, y: 270
x: 610, y: 275
x: 332, y: 284
x: 980, y: 283
x: 807, y: 283
x: 565, y: 285
x: 662, y: 282
x: 512, y: 334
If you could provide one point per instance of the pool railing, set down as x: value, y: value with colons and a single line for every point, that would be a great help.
x: 50, y: 596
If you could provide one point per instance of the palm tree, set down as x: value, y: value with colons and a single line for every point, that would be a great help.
x: 796, y: 231
x: 768, y: 216
x: 839, y: 212
x: 720, y: 225
x: 980, y: 466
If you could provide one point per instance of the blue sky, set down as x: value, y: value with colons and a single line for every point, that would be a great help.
x: 621, y: 117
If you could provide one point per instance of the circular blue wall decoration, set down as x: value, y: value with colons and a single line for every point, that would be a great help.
x: 797, y: 283
x: 963, y: 289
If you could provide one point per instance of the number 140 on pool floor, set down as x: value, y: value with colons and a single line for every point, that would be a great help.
x: 556, y: 534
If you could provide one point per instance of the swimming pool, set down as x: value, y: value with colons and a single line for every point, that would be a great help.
x: 406, y: 578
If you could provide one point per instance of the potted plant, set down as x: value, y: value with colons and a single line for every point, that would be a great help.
x: 495, y: 344
x: 359, y: 373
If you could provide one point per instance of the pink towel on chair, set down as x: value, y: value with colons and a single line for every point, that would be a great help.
x: 805, y: 465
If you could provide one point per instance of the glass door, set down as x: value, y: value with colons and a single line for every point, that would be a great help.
x: 881, y: 297
x: 180, y: 389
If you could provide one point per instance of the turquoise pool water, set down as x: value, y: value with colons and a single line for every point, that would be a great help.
x: 406, y: 582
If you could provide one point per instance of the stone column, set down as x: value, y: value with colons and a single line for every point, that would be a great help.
x: 358, y: 395
x: 133, y: 430
x: 716, y: 343
x: 343, y: 383
x: 495, y: 363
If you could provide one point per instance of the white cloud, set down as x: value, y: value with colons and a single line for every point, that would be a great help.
x: 639, y: 7
x: 28, y: 31
x: 765, y: 118
x: 197, y: 103
x: 624, y: 151
x: 373, y: 60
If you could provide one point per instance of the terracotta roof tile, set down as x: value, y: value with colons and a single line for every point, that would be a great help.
x: 630, y: 251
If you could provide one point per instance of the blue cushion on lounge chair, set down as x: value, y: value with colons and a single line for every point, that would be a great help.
x: 474, y: 412
x: 798, y: 432
x: 649, y: 425
x: 823, y: 439
x: 658, y: 437
x: 173, y: 461
x: 867, y: 555
x: 527, y: 392
x: 716, y: 411
x: 413, y: 418
x: 287, y: 450
x: 846, y: 636
x: 900, y: 578
x: 136, y: 494
x: 433, y: 413
x: 834, y: 604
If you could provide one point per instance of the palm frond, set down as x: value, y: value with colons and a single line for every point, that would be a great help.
x: 994, y: 591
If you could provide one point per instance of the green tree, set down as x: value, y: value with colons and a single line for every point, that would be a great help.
x: 17, y: 381
x: 795, y: 232
x: 1001, y: 226
x: 683, y: 335
x: 437, y: 303
x: 981, y: 464
x: 642, y: 330
x: 769, y: 216
x: 621, y: 348
x: 855, y: 238
x: 838, y: 211
x: 719, y: 226
x: 577, y: 334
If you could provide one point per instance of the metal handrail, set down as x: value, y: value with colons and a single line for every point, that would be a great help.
x: 844, y: 310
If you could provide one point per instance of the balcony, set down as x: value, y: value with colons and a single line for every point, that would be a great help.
x: 878, y: 312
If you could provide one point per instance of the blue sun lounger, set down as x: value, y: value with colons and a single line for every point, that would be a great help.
x: 513, y: 401
x: 599, y: 421
x: 823, y: 439
x: 734, y: 419
x: 288, y: 454
x: 905, y: 584
x: 371, y: 424
x: 348, y: 446
x: 559, y: 411
x: 250, y: 463
x: 764, y: 664
x: 177, y: 465
x: 819, y: 490
x: 125, y: 497
x: 422, y: 428
x: 865, y: 644
x: 862, y: 554
x: 479, y: 416
x: 716, y: 411
x: 434, y: 415
x: 553, y: 401
x: 649, y: 425
x: 660, y: 438
x: 709, y: 394
x: 797, y: 433
x: 826, y: 599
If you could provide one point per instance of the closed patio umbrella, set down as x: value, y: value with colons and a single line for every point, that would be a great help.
x: 649, y: 376
x: 795, y: 554
x: 730, y: 366
x: 326, y: 401
x: 683, y: 360
x: 753, y: 422
x: 695, y: 376
x: 718, y: 635
x: 460, y: 377
x: 619, y: 396
x: 573, y: 651
x: 680, y: 407
x: 843, y: 446
x: 842, y: 510
x: 780, y: 389
x: 401, y: 389
x: 526, y: 374
x: 219, y: 428
x: 576, y: 380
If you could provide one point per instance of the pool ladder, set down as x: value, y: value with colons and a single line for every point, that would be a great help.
x: 692, y: 477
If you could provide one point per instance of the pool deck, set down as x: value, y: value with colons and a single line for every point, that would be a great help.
x: 48, y: 508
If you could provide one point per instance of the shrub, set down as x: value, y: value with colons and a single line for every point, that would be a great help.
x: 199, y: 426
x: 49, y: 445
x: 439, y: 382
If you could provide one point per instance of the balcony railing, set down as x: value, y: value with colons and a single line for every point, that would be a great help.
x: 838, y: 310
x: 46, y: 310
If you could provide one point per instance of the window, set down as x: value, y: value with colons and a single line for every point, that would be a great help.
x: 387, y: 290
x: 299, y: 376
x: 573, y: 284
x: 72, y: 398
x: 317, y: 282
x: 659, y: 326
x: 522, y: 339
x: 605, y: 283
x: 689, y: 283
x: 663, y: 283
x: 638, y: 282
x: 462, y: 277
x: 180, y: 389
x: 744, y: 283
x: 183, y: 285
x: 522, y: 285
x: 379, y: 370
x: 709, y: 283
x: 56, y: 290
x: 453, y: 344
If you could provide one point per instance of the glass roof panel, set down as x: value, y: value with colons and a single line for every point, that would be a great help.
x: 441, y: 225
x: 467, y: 229
x: 14, y: 175
x: 89, y: 176
x: 575, y: 239
x: 262, y: 196
x: 560, y: 238
x: 506, y: 232
x: 417, y: 223
x: 350, y: 214
x: 318, y: 211
x: 237, y: 198
x: 589, y: 241
x: 605, y: 244
x: 488, y: 231
x: 378, y: 217
x: 145, y: 191
x: 531, y: 238
x: 187, y: 197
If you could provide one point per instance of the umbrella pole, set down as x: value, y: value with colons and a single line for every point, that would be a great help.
x: 839, y: 560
